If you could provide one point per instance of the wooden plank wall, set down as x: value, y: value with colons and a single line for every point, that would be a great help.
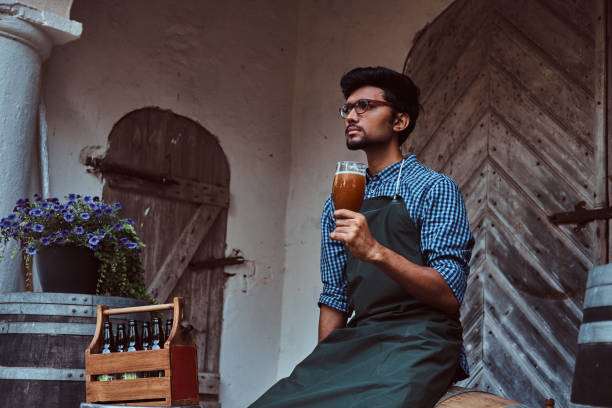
x: 510, y: 91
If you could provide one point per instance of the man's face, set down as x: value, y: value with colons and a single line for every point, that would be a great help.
x: 371, y: 128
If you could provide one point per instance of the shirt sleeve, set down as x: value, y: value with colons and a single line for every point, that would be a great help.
x: 446, y: 239
x: 333, y: 263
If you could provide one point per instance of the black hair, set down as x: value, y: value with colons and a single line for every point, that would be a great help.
x: 398, y: 89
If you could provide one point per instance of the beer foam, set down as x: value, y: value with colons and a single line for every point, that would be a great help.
x: 350, y: 172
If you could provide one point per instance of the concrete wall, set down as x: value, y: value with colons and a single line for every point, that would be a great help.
x: 229, y: 66
x: 333, y: 37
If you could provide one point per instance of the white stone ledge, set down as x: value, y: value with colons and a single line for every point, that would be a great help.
x: 60, y: 30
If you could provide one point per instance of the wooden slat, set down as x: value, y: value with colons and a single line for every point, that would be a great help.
x: 562, y: 99
x: 443, y: 97
x: 126, y: 390
x: 179, y: 189
x: 459, y: 122
x: 450, y: 33
x: 143, y: 360
x: 572, y: 52
x: 182, y: 252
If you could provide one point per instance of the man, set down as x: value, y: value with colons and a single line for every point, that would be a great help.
x: 400, y: 264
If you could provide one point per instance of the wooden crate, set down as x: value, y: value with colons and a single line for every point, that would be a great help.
x: 178, y: 361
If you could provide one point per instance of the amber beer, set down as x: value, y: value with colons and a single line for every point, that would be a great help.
x: 349, y: 185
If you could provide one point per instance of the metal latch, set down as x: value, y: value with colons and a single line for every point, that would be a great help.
x: 581, y: 216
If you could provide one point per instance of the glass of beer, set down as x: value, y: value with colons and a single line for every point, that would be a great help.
x: 349, y: 185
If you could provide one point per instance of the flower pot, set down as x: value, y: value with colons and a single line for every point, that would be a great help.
x: 67, y: 269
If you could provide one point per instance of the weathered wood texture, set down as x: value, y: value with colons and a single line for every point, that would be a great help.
x: 163, y: 144
x: 510, y: 94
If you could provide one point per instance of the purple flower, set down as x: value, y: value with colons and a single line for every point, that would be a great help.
x: 93, y: 241
x: 44, y: 205
x: 97, y: 213
x: 65, y: 233
x: 72, y: 196
x: 117, y: 205
x: 94, y: 248
x: 21, y: 202
x: 30, y: 250
x: 101, y: 234
x: 38, y: 228
x: 37, y: 198
x: 78, y: 230
x: 52, y: 235
x: 56, y: 207
x: 129, y: 221
x: 132, y: 245
x: 93, y: 206
x: 11, y: 217
x: 108, y: 210
x: 124, y: 241
x: 59, y: 240
x: 28, y: 225
x: 69, y: 217
x: 84, y: 216
x: 89, y: 235
x: 117, y: 226
x: 96, y: 198
x: 87, y: 198
x: 45, y: 241
x: 36, y: 212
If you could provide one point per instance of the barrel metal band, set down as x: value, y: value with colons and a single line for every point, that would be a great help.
x: 70, y: 329
x: 598, y: 296
x: 41, y: 374
x: 47, y: 309
x: 595, y: 332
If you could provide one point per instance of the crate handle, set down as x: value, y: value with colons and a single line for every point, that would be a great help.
x: 138, y: 309
x: 177, y: 306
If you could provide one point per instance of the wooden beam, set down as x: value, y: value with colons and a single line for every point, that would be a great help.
x: 174, y: 189
x: 182, y: 252
x: 208, y: 383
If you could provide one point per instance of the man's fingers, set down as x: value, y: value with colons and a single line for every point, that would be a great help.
x: 342, y: 213
x: 345, y: 222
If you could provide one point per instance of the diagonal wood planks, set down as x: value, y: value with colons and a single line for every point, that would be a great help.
x: 508, y: 89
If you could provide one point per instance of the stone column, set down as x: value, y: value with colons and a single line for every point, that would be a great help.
x: 26, y: 38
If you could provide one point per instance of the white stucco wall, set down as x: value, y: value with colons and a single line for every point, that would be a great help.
x: 333, y: 37
x: 229, y: 66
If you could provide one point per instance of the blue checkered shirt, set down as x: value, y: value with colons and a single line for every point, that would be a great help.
x: 436, y: 206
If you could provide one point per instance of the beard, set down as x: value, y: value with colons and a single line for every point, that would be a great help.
x: 359, y: 143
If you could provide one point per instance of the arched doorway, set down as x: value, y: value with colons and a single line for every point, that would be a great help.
x: 172, y: 178
x: 510, y: 91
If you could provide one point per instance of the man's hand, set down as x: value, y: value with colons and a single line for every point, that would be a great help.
x: 352, y: 229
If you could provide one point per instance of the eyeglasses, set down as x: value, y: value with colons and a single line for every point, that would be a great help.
x: 361, y: 106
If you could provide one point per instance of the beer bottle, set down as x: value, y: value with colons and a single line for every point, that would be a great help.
x: 157, y: 342
x: 146, y: 336
x: 120, y: 341
x: 133, y: 338
x: 133, y: 344
x: 157, y: 338
x: 108, y: 346
x: 168, y: 328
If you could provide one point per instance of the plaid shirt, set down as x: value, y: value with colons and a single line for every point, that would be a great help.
x: 436, y: 206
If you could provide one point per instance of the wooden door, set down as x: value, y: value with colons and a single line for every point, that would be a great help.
x: 512, y: 95
x: 172, y: 177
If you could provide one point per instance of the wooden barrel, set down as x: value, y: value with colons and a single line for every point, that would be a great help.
x: 459, y: 397
x: 43, y: 337
x: 593, y: 371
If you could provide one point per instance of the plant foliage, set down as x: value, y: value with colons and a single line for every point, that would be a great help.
x: 82, y: 222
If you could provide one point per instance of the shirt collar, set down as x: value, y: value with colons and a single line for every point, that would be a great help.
x: 391, y: 171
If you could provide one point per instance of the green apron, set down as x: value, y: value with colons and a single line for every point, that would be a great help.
x: 395, y: 352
